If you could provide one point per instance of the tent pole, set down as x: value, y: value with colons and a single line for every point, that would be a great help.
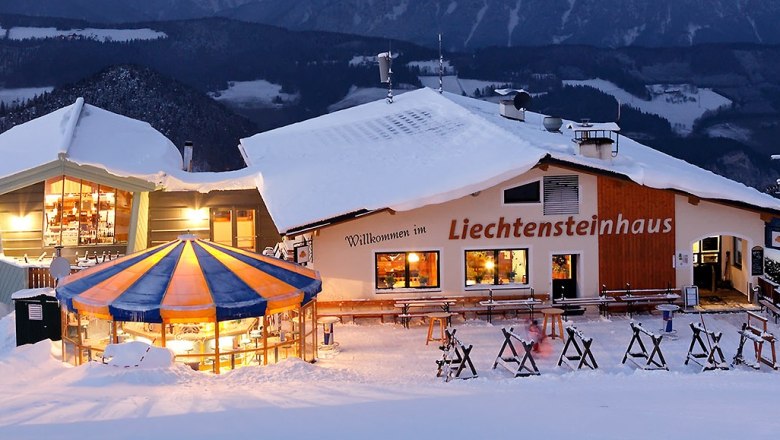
x: 63, y: 330
x: 301, y: 334
x: 162, y: 335
x: 114, y: 336
x: 216, y: 346
x: 79, y: 339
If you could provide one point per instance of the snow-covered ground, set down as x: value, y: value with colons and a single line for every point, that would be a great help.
x: 104, y: 35
x: 381, y: 384
x: 680, y: 104
x: 15, y: 97
x: 253, y: 94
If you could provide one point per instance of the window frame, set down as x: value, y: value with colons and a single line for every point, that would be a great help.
x: 496, y: 274
x: 407, y: 277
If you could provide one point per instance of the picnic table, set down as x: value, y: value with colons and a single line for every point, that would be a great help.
x: 406, y: 304
x: 601, y: 301
x: 526, y: 304
x: 630, y: 299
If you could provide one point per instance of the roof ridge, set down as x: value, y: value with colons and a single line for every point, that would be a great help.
x: 70, y: 129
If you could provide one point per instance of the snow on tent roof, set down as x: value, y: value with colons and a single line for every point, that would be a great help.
x: 88, y: 135
x: 429, y: 148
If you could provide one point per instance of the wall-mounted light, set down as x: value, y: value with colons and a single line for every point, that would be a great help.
x: 21, y: 223
x: 413, y: 257
x: 196, y: 215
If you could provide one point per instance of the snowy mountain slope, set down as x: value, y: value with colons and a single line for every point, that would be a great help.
x: 465, y: 23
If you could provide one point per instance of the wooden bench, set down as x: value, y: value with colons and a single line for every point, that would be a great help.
x: 770, y: 308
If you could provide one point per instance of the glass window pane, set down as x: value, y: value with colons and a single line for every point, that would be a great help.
x: 88, y: 200
x: 222, y: 226
x: 71, y: 202
x: 390, y: 270
x: 512, y: 267
x: 52, y: 208
x: 423, y: 269
x: 528, y: 193
x: 124, y: 203
x: 561, y: 267
x: 245, y: 229
x: 480, y: 267
x: 106, y: 218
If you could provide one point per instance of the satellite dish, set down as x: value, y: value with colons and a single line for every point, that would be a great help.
x: 522, y: 100
x: 59, y: 268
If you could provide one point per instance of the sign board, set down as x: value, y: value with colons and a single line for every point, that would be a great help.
x: 683, y: 260
x: 772, y: 234
x: 757, y: 261
x: 303, y: 253
x: 691, y: 296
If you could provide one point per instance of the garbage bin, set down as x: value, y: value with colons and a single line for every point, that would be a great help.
x: 37, y: 316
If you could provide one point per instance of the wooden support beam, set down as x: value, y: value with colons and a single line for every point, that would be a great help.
x: 216, y: 347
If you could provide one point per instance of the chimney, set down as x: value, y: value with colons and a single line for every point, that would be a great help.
x: 596, y: 140
x: 188, y: 156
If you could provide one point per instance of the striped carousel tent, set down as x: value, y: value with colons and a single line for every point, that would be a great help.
x: 188, y: 280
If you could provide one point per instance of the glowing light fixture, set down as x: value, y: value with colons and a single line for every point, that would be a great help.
x: 413, y: 257
x: 489, y: 265
x: 21, y: 223
x: 196, y: 215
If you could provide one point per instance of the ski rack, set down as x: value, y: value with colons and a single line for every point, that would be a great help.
x: 759, y: 335
x: 455, y: 359
x: 710, y: 357
x: 584, y: 356
x: 650, y: 362
x: 515, y: 363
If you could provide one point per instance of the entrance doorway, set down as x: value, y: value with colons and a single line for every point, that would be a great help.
x: 564, y: 276
x: 233, y: 226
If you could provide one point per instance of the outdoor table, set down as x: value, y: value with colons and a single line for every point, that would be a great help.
x: 327, y: 328
x: 668, y: 313
x: 524, y: 303
x: 554, y: 314
x: 601, y: 301
x: 406, y: 304
x: 662, y: 297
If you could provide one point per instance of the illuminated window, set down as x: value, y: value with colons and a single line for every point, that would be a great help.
x: 78, y: 212
x: 496, y: 267
x: 417, y: 270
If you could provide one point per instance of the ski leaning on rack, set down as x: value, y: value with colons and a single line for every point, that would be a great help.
x: 456, y: 358
x: 710, y: 357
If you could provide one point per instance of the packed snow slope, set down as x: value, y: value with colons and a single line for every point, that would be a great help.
x: 382, y: 384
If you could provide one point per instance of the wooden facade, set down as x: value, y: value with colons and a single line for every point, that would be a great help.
x: 169, y: 215
x: 642, y: 259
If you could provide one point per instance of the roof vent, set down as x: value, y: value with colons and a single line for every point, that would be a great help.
x: 514, y: 108
x: 596, y: 140
x: 187, y: 159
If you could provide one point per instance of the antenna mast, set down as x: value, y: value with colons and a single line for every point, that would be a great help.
x: 441, y: 67
x: 389, y: 98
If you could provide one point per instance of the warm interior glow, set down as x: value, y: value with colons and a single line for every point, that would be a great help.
x: 489, y: 265
x: 21, y: 223
x: 197, y: 215
x: 413, y: 258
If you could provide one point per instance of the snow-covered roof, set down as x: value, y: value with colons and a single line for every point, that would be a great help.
x: 429, y: 148
x: 124, y: 147
x: 32, y: 293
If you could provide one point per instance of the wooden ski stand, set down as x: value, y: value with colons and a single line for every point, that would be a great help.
x: 515, y: 363
x: 455, y: 359
x: 710, y: 357
x: 650, y: 363
x: 758, y: 335
x: 584, y: 356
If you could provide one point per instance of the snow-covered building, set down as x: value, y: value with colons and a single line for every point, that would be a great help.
x: 439, y: 194
x: 98, y: 183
